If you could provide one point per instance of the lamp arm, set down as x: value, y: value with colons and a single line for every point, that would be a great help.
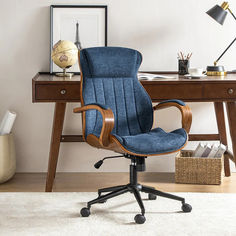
x: 232, y: 13
x: 224, y: 51
x: 230, y: 43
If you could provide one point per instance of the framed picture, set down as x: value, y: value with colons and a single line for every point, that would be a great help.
x: 84, y: 25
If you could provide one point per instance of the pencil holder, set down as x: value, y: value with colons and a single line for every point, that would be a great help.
x: 7, y: 157
x: 183, y: 67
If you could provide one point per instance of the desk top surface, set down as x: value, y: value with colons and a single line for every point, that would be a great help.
x: 48, y: 88
x: 231, y: 77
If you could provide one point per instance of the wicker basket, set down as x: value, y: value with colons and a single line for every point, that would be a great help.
x: 198, y: 170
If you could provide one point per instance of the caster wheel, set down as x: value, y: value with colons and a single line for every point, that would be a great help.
x: 152, y: 196
x: 186, y: 207
x: 103, y: 201
x: 139, y: 219
x: 85, y: 212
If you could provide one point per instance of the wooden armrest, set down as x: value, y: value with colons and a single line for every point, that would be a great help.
x: 185, y: 111
x: 108, y: 121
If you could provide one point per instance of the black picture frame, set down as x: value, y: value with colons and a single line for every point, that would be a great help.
x: 52, y: 7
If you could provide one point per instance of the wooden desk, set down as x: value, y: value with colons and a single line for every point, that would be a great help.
x: 49, y: 88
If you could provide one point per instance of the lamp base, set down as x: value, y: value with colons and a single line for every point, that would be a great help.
x: 216, y: 71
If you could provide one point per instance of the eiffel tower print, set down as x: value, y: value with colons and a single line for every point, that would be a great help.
x: 77, y: 39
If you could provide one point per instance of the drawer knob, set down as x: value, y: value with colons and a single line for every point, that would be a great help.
x: 230, y: 91
x: 63, y: 91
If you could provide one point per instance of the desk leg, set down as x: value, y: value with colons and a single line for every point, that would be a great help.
x: 231, y: 111
x: 58, y: 120
x: 220, y: 118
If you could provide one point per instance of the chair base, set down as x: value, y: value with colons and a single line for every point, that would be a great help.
x: 135, y: 188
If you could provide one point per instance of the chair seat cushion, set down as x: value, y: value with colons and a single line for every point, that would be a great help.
x: 156, y: 141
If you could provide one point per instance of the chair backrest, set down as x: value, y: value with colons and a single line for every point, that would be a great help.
x: 110, y: 78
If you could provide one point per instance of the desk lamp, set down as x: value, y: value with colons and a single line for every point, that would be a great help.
x: 219, y: 13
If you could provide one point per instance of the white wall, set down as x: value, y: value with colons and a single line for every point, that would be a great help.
x: 159, y: 29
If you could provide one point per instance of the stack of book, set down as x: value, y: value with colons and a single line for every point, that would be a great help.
x: 149, y: 76
x: 211, y: 151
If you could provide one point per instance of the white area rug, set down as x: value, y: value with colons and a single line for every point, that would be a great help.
x: 58, y: 214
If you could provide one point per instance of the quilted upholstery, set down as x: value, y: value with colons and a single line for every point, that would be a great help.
x: 110, y: 80
x: 156, y: 141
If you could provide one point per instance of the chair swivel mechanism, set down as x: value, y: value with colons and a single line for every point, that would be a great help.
x: 117, y: 115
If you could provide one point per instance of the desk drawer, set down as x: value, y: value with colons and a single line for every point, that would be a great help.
x: 220, y: 91
x: 170, y: 91
x: 57, y: 92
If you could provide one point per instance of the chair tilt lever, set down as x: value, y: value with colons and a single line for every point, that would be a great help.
x: 98, y: 164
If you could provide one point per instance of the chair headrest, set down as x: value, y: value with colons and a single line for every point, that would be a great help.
x: 110, y: 62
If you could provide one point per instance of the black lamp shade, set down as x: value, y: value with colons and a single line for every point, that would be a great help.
x: 218, y: 14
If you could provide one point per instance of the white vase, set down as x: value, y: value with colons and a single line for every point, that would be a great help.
x: 7, y: 157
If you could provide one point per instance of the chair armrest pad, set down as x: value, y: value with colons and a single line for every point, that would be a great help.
x: 103, y: 106
x: 173, y: 100
x: 170, y: 103
x: 91, y: 106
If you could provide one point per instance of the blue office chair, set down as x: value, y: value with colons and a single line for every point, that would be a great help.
x: 117, y: 115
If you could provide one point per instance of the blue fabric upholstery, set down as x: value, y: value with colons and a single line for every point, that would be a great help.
x: 110, y: 79
x: 156, y: 141
x: 110, y: 62
x: 174, y: 100
x: 118, y: 88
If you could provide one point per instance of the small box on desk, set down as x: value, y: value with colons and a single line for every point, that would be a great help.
x: 198, y: 170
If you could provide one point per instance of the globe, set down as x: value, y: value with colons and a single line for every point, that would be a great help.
x: 64, y: 55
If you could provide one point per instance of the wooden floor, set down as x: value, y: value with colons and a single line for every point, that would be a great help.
x: 90, y: 182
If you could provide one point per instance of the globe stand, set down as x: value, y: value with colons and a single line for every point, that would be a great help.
x: 64, y: 74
